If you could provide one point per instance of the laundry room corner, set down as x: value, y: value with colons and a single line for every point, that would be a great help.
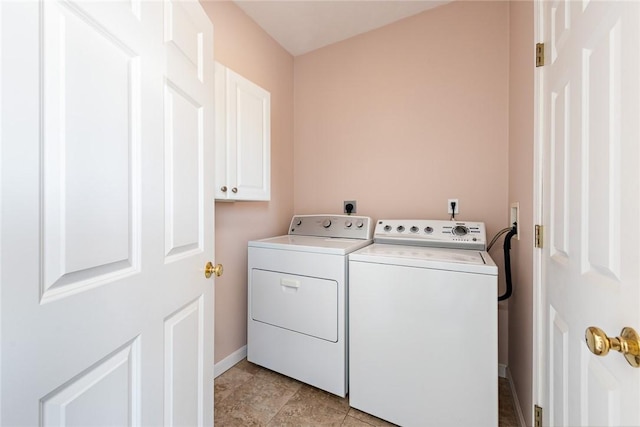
x: 401, y: 119
x: 242, y: 46
x: 407, y: 116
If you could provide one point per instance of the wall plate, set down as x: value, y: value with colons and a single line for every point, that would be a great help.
x: 349, y: 202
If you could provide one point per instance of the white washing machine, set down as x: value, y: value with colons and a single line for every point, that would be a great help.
x: 297, y: 321
x: 423, y: 337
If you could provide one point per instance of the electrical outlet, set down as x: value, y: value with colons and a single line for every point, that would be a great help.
x: 449, y: 211
x: 349, y: 206
x: 514, y: 216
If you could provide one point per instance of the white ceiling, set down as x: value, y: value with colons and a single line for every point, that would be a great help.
x: 301, y: 26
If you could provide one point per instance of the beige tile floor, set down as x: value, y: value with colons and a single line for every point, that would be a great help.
x: 249, y: 395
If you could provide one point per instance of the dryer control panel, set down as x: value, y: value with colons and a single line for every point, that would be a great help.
x: 334, y: 226
x: 433, y: 233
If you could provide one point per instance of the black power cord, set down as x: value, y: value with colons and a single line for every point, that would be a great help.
x: 493, y: 241
x: 349, y: 208
x: 507, y: 261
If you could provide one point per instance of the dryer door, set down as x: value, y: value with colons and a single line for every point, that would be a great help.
x: 307, y: 305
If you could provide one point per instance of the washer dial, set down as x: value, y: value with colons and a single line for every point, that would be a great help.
x: 460, y: 230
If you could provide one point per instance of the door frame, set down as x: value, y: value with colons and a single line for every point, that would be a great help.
x: 539, y: 391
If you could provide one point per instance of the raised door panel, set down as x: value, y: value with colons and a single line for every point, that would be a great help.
x: 184, y: 42
x: 183, y: 173
x: 107, y: 393
x: 184, y: 130
x: 91, y: 142
x: 184, y: 366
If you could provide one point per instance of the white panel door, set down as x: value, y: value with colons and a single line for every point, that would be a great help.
x: 106, y: 213
x: 589, y: 101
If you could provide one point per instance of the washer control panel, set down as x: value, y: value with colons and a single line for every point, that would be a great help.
x: 339, y: 226
x: 433, y: 233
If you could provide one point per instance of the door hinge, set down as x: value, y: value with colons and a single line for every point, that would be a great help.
x: 539, y: 54
x: 537, y: 414
x: 539, y: 235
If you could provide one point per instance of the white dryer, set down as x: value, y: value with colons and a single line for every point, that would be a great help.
x: 423, y: 337
x: 297, y: 298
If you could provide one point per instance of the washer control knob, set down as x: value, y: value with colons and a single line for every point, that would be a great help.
x: 299, y: 221
x: 414, y: 229
x: 428, y: 230
x: 387, y: 228
x: 460, y: 230
x: 348, y: 224
x: 400, y: 228
x: 326, y: 223
x: 359, y: 223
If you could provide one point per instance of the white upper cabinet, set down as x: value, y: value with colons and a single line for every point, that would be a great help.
x: 243, y: 138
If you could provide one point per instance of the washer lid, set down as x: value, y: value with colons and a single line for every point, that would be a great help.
x: 328, y: 245
x: 472, y: 261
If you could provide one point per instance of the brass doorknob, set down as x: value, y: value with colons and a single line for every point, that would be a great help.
x: 210, y: 269
x: 628, y: 343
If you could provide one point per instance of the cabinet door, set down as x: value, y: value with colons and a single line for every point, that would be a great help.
x: 249, y: 139
x: 243, y: 138
x: 222, y: 189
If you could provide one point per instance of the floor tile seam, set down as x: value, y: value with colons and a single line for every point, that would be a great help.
x: 288, y: 385
x: 233, y: 386
x: 344, y: 418
x: 325, y: 407
x: 272, y: 418
x: 357, y: 419
x: 316, y: 405
x: 281, y: 408
x: 303, y: 398
x: 276, y: 414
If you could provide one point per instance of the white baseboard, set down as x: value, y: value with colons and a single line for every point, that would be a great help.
x: 225, y: 364
x: 502, y: 370
x: 516, y: 402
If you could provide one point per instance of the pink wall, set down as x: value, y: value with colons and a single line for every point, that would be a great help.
x: 436, y: 106
x: 521, y: 144
x: 404, y: 117
x: 245, y: 48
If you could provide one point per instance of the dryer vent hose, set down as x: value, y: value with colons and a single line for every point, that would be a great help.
x: 507, y: 262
